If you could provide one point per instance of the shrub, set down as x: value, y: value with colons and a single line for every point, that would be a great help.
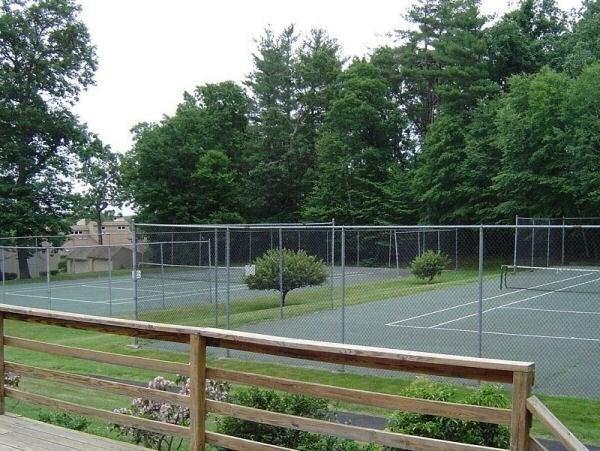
x: 64, y: 419
x: 429, y: 264
x: 449, y: 428
x: 298, y: 405
x: 166, y: 413
x: 299, y: 270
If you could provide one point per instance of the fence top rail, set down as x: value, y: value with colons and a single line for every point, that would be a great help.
x: 456, y: 366
x: 366, y: 227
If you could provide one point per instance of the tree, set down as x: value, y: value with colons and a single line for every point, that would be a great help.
x: 438, y: 176
x: 442, y: 60
x: 582, y: 46
x: 165, y: 173
x: 99, y: 173
x: 274, y: 99
x: 359, y: 164
x: 299, y: 270
x: 527, y: 39
x: 46, y: 60
x: 534, y: 178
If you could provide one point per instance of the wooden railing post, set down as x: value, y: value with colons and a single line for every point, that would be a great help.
x: 521, y: 417
x: 197, y: 392
x: 2, y: 363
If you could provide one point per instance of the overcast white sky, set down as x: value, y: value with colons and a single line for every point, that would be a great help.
x: 150, y: 51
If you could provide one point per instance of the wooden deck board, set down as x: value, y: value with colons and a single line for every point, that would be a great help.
x: 23, y: 434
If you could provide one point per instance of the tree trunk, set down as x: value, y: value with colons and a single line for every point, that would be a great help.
x: 283, y: 298
x: 99, y: 224
x: 22, y: 256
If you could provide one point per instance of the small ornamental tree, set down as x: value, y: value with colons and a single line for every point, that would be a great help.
x: 429, y: 264
x: 299, y: 270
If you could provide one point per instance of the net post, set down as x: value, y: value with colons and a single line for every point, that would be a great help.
x: 162, y: 274
x: 48, y: 278
x: 281, y: 298
x: 480, y: 295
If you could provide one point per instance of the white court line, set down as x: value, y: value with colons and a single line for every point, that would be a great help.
x: 508, y: 334
x: 435, y: 312
x: 58, y: 299
x: 512, y: 303
x: 552, y: 310
x: 154, y: 297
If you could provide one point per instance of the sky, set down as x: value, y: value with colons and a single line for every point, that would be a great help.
x: 151, y: 51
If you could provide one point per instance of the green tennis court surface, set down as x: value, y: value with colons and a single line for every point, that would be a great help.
x: 550, y: 322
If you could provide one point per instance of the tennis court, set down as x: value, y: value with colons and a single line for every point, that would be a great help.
x: 548, y: 316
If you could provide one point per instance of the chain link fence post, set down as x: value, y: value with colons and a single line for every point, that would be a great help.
x: 48, y: 288
x: 343, y: 263
x: 332, y: 266
x: 281, y: 295
x: 109, y: 278
x: 216, y: 251
x: 162, y: 275
x: 228, y: 279
x: 480, y: 296
x: 3, y: 275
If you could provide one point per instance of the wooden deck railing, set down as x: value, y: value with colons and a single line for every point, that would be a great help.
x: 519, y: 374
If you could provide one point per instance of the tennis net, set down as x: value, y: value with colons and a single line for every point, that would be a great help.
x: 188, y: 273
x: 550, y: 279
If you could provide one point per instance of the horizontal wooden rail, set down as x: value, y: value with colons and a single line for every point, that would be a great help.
x: 99, y: 356
x: 94, y: 383
x: 558, y: 430
x: 365, y: 356
x: 360, y: 434
x: 383, y: 400
x: 112, y: 417
x: 241, y: 444
x: 519, y: 374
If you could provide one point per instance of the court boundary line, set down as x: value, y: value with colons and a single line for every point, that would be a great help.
x: 393, y: 323
x: 580, y: 312
x: 514, y: 302
x: 510, y: 334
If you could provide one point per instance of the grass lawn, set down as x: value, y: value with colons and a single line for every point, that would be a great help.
x: 580, y: 415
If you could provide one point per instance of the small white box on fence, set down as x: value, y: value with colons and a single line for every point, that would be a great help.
x: 249, y: 270
x: 136, y: 274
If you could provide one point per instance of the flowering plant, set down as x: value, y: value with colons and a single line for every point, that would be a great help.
x: 164, y: 412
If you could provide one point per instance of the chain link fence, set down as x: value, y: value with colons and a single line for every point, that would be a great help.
x: 525, y: 292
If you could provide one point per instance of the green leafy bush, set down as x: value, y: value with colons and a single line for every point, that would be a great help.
x: 64, y: 419
x: 449, y: 428
x: 299, y: 270
x: 429, y: 264
x: 298, y: 405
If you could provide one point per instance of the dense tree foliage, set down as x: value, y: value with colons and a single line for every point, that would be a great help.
x: 465, y: 118
x: 46, y: 59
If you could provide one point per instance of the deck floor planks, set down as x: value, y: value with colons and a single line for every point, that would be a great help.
x: 23, y: 434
